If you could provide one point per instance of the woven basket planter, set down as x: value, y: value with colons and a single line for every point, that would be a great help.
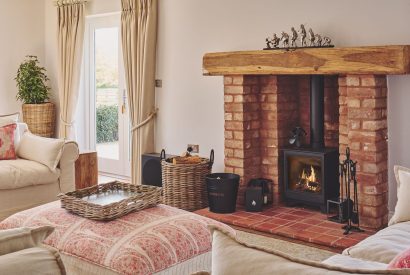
x: 184, y: 185
x: 40, y: 118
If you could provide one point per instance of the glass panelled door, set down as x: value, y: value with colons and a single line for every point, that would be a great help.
x: 108, y: 116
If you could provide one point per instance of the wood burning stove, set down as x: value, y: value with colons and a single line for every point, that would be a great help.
x: 310, y: 174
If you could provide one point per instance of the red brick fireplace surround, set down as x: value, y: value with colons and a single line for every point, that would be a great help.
x: 267, y: 95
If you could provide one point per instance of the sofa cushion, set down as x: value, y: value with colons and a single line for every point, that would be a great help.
x: 11, y: 119
x: 22, y: 252
x: 12, y: 240
x: 401, y: 212
x: 36, y: 260
x: 21, y: 129
x: 7, y: 147
x: 40, y: 149
x: 401, y: 261
x: 384, y: 245
x: 21, y: 173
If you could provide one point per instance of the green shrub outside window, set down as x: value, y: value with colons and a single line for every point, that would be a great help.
x: 107, y: 123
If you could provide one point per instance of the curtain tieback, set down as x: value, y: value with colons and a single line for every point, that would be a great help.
x: 65, y: 122
x: 150, y: 116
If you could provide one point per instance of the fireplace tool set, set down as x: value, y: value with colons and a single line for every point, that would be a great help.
x: 348, y: 207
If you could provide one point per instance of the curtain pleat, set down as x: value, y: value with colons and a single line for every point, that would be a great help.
x: 70, y: 49
x: 139, y: 32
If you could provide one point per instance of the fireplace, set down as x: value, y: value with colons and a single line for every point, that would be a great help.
x: 310, y: 174
x: 266, y: 95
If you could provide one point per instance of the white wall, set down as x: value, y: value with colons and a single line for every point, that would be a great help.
x: 50, y: 47
x: 191, y: 105
x: 22, y: 33
x: 103, y: 6
x: 399, y: 129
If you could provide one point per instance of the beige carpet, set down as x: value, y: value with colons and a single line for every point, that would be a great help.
x: 296, y: 250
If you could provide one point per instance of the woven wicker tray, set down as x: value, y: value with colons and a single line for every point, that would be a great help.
x: 110, y: 200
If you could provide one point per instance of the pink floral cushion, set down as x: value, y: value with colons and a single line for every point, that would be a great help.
x: 401, y: 261
x: 143, y: 242
x: 7, y: 150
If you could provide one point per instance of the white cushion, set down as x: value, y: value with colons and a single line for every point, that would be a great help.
x: 21, y: 129
x: 402, y: 210
x: 43, y: 150
x: 21, y: 173
x: 384, y: 245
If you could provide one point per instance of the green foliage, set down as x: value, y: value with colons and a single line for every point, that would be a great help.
x: 32, y: 82
x: 107, y: 123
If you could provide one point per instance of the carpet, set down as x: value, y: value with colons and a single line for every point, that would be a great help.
x: 296, y: 250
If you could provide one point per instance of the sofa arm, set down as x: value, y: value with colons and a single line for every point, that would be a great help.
x: 67, y: 166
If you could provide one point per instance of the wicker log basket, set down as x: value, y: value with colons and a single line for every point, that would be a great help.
x: 142, y: 196
x: 40, y: 118
x: 184, y: 185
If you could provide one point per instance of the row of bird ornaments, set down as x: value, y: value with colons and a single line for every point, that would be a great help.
x: 290, y: 41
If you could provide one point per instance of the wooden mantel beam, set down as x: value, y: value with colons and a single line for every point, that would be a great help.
x: 376, y: 60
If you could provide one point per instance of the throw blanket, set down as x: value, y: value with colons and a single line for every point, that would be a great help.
x: 142, y: 242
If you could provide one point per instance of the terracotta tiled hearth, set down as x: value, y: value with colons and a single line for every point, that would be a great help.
x: 267, y: 94
x: 294, y: 223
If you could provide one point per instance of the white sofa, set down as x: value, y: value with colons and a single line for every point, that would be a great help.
x: 377, y: 250
x: 25, y: 183
x: 370, y: 256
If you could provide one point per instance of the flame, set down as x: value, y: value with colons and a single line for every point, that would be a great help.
x: 312, y: 177
x: 310, y: 181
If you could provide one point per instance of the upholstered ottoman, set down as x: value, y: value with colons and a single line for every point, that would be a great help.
x: 158, y: 240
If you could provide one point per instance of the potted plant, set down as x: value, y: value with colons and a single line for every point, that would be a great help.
x: 38, y: 112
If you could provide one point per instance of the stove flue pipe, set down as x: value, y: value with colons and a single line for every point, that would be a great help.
x: 317, y: 121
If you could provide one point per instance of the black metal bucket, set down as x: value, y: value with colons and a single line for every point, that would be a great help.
x: 222, y: 192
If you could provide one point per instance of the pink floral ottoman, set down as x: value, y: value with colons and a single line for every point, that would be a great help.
x: 161, y: 239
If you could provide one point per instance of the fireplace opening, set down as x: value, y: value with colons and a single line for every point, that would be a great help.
x: 305, y: 174
x: 310, y: 173
x: 311, y: 176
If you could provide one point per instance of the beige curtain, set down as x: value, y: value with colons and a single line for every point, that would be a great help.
x: 70, y: 50
x: 139, y: 31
